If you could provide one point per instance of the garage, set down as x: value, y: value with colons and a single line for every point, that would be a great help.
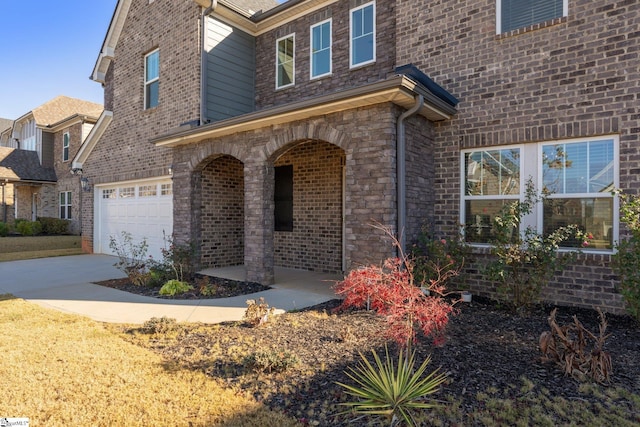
x: 142, y: 208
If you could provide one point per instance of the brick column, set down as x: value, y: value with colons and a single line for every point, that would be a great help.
x: 258, y: 221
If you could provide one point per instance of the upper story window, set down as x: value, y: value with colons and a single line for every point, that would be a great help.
x: 321, y: 49
x: 514, y: 14
x: 151, y: 79
x: 578, y: 176
x: 362, y: 43
x: 285, y: 61
x: 65, y: 147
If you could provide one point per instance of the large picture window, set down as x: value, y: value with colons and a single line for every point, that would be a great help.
x: 577, y: 176
x: 363, y: 35
x: 285, y: 61
x: 514, y: 14
x: 151, y: 79
x: 321, y: 49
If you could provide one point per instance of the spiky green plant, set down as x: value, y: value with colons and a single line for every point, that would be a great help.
x: 392, y: 390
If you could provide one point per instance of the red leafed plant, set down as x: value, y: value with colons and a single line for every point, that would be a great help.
x: 391, y: 292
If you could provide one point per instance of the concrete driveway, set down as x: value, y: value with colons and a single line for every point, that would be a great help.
x: 65, y: 284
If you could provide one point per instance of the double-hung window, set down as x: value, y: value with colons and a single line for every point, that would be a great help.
x: 577, y: 177
x: 65, y: 205
x: 151, y: 79
x: 362, y: 42
x: 65, y: 147
x: 285, y: 61
x: 321, y: 49
x: 514, y: 14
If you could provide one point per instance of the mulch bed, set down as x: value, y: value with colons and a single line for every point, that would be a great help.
x: 216, y: 287
x: 487, y: 350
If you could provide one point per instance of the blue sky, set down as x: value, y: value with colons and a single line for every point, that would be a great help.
x: 49, y: 48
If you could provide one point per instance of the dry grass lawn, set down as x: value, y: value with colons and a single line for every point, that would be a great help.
x: 28, y: 247
x: 59, y: 369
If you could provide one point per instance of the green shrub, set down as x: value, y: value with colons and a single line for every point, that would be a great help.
x: 175, y: 287
x: 4, y: 229
x: 627, y: 257
x: 394, y: 391
x: 29, y: 228
x: 270, y: 361
x: 54, y: 226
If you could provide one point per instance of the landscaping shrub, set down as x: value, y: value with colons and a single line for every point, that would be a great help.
x: 160, y: 325
x: 54, y: 226
x: 257, y: 313
x: 28, y: 228
x: 394, y: 391
x: 175, y: 287
x: 626, y: 260
x: 390, y: 290
x: 525, y: 261
x: 132, y: 257
x: 270, y: 361
x: 4, y: 229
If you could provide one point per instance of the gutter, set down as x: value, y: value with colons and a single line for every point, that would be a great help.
x: 203, y: 62
x: 401, y: 170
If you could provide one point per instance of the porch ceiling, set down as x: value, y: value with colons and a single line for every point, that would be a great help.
x: 399, y: 90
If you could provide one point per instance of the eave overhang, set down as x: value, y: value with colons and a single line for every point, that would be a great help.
x: 110, y: 41
x: 92, y: 139
x: 399, y: 90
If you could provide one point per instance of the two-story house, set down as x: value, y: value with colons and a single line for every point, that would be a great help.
x: 35, y: 160
x: 274, y: 134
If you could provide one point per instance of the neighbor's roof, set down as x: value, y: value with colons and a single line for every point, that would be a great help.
x: 23, y: 165
x: 62, y: 107
x: 5, y: 124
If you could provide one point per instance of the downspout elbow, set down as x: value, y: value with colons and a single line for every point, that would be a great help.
x: 401, y: 186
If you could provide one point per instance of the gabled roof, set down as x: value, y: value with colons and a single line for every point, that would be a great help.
x: 23, y: 165
x: 5, y: 124
x: 63, y: 107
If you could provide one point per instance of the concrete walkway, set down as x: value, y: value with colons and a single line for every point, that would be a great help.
x: 64, y: 283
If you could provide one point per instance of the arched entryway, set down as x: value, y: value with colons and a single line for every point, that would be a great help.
x: 308, y: 206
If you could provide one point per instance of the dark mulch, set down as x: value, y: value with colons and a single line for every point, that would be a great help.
x: 488, y: 351
x: 204, y: 287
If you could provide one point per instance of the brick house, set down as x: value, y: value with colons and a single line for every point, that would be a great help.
x: 35, y: 160
x: 272, y: 135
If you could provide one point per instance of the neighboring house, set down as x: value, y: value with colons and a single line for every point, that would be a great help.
x: 35, y: 160
x: 273, y: 135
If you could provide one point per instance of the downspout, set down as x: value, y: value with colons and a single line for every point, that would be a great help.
x: 203, y: 62
x: 401, y: 170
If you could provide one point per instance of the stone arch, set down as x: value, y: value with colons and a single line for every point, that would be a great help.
x: 209, y: 151
x: 282, y: 141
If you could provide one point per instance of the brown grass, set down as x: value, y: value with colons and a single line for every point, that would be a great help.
x: 29, y: 247
x: 60, y: 369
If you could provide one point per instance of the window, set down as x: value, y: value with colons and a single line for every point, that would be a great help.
x: 283, y: 198
x: 151, y: 79
x: 147, y: 190
x: 166, y: 189
x: 363, y: 35
x: 109, y: 193
x: 577, y: 175
x: 65, y: 147
x: 321, y: 49
x: 126, y: 192
x: 65, y: 205
x: 285, y: 62
x: 514, y: 14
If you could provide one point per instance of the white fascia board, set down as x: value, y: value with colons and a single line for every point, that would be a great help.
x: 92, y: 139
x: 110, y: 41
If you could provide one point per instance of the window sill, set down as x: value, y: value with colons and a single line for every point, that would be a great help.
x: 530, y: 28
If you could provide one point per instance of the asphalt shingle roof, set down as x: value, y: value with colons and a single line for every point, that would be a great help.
x: 63, y: 107
x: 23, y: 165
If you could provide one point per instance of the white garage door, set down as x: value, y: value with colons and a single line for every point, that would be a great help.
x: 144, y: 209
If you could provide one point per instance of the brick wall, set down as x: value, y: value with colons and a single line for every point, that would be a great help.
x: 316, y: 240
x: 573, y: 77
x: 222, y: 210
x: 342, y: 77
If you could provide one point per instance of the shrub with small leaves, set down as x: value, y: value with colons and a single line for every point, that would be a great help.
x: 160, y: 325
x: 174, y: 287
x: 270, y: 361
x: 29, y: 228
x: 132, y: 257
x: 4, y: 229
x: 257, y: 313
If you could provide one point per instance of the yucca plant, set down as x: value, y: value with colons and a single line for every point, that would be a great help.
x: 392, y: 390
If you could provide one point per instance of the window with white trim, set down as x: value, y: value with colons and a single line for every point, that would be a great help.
x: 65, y: 205
x: 362, y: 42
x: 321, y: 49
x: 285, y: 61
x: 578, y: 177
x: 65, y: 147
x: 151, y: 79
x: 514, y: 14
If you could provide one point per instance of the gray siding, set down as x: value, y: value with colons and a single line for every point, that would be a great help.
x: 230, y: 71
x: 47, y: 150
